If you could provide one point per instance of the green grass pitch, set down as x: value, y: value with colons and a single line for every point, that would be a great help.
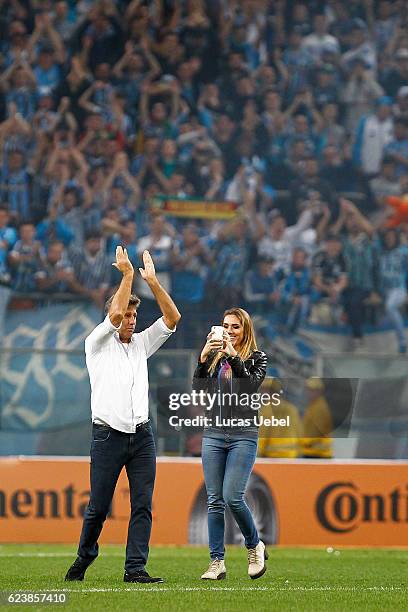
x: 297, y: 579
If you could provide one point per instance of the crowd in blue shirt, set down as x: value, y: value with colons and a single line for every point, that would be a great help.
x: 295, y: 111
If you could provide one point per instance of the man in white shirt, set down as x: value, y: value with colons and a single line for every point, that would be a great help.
x: 116, y: 358
x: 278, y: 241
x: 319, y: 40
x: 374, y: 133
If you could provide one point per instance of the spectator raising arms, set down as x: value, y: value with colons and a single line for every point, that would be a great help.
x: 290, y: 111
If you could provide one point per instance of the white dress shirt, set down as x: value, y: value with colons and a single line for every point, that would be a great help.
x: 118, y: 373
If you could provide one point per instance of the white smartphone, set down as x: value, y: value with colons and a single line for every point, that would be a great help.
x: 218, y: 332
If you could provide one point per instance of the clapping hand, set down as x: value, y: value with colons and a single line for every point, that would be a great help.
x: 148, y: 273
x: 123, y: 263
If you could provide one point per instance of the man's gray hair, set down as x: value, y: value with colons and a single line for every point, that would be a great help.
x: 133, y: 301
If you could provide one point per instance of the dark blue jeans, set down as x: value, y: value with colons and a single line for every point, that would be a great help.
x: 112, y: 450
x: 227, y: 465
x: 353, y: 298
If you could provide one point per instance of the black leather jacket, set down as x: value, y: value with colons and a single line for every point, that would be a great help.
x: 247, y: 377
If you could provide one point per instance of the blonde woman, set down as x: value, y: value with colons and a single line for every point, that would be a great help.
x: 233, y: 365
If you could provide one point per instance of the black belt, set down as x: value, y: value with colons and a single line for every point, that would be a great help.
x: 124, y: 432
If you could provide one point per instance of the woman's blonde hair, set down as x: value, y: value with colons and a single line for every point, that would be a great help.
x: 248, y: 344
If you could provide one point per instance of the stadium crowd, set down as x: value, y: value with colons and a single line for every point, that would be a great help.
x: 295, y: 111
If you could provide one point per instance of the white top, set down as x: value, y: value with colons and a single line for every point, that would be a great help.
x: 376, y: 135
x: 281, y: 250
x: 316, y: 44
x: 118, y: 373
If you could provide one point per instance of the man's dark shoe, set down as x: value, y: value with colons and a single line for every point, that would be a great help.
x: 140, y: 576
x: 78, y: 569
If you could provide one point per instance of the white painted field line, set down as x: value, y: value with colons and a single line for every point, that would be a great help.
x: 277, y: 588
x: 106, y: 553
x: 50, y: 554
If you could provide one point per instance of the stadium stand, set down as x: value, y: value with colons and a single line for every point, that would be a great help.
x: 113, y: 113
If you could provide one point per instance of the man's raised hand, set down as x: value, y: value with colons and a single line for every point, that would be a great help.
x: 148, y: 273
x: 123, y: 263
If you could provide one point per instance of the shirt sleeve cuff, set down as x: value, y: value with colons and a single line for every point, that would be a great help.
x: 109, y: 324
x: 167, y: 329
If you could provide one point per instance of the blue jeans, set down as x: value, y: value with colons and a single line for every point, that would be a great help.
x: 112, y: 450
x: 354, y: 307
x: 394, y: 299
x: 298, y: 313
x: 5, y: 293
x: 227, y: 464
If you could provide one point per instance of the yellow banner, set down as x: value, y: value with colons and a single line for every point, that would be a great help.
x: 194, y: 208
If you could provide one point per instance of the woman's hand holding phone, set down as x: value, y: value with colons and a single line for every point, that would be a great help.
x: 228, y: 349
x: 213, y: 343
x: 217, y: 341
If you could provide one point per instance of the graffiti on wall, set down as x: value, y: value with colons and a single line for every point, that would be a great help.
x: 43, y: 378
